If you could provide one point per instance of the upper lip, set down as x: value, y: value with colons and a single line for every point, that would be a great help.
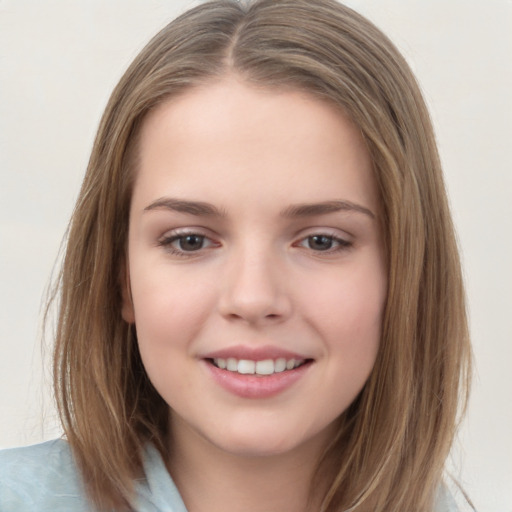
x: 253, y: 353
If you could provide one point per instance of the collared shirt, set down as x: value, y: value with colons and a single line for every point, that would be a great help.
x: 44, y: 478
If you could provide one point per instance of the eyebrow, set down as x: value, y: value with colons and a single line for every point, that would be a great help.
x: 325, y: 207
x: 197, y: 208
x: 203, y: 209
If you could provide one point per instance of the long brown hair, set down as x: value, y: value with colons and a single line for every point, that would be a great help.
x: 393, y: 440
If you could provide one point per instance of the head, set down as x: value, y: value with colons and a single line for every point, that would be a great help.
x: 396, y: 434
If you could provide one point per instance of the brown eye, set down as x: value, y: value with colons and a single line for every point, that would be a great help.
x: 186, y: 243
x: 190, y: 242
x: 324, y: 243
x: 320, y: 242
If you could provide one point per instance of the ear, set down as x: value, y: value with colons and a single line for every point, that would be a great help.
x: 127, y: 309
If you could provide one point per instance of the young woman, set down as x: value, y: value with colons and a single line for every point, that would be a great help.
x: 261, y: 304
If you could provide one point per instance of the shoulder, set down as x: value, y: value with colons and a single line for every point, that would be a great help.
x: 157, y: 491
x: 452, y: 498
x: 44, y: 478
x: 445, y: 501
x: 41, y: 477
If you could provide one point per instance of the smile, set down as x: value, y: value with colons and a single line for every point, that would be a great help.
x: 263, y: 367
x: 256, y: 374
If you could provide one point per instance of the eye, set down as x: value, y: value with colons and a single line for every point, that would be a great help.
x: 190, y: 242
x: 185, y: 243
x: 324, y: 243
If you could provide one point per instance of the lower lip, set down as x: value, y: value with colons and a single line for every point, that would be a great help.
x: 254, y: 386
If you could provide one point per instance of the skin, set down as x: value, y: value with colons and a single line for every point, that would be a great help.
x: 253, y: 276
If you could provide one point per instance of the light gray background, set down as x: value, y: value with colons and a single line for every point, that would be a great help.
x: 60, y: 59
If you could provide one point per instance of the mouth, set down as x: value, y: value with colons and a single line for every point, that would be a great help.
x: 256, y: 376
x: 261, y: 368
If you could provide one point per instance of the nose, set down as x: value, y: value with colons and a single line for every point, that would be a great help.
x: 255, y: 290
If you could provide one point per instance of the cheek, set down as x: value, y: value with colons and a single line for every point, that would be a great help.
x: 351, y: 301
x: 167, y: 320
x: 349, y: 319
x: 347, y: 311
x: 169, y: 311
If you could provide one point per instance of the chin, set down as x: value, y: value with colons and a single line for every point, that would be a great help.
x: 251, y: 448
x: 263, y: 441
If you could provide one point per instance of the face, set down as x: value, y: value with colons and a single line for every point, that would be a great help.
x: 255, y: 263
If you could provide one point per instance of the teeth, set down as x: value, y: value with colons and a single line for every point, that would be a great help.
x: 246, y: 367
x: 280, y: 365
x: 264, y: 367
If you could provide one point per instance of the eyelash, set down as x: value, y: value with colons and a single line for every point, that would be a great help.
x: 168, y: 241
x: 167, y: 244
x: 342, y: 244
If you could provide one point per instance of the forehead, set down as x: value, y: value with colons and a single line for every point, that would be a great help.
x: 228, y: 135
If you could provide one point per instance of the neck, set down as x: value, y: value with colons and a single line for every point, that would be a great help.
x: 213, y: 480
